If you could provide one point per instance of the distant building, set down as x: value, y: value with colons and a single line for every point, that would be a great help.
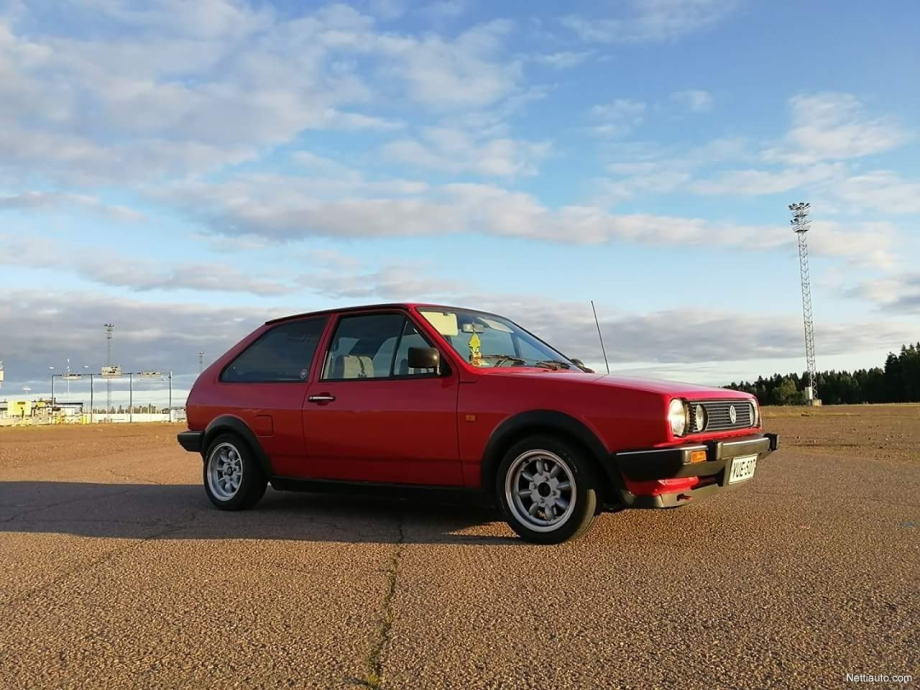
x: 17, y: 408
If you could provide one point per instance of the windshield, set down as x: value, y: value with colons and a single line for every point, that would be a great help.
x: 486, y: 340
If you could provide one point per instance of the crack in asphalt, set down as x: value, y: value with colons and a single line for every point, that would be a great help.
x: 374, y: 677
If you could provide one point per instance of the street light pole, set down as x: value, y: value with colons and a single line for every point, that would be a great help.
x: 90, y: 398
x: 130, y: 396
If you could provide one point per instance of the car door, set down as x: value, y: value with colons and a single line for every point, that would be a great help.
x: 369, y: 417
x: 266, y: 385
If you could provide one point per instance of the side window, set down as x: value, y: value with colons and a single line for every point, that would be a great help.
x: 410, y: 338
x: 362, y: 347
x: 383, y: 360
x: 282, y: 354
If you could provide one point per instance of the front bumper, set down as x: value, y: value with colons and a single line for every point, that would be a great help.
x: 643, y: 471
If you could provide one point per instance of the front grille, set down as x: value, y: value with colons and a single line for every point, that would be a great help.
x: 718, y: 415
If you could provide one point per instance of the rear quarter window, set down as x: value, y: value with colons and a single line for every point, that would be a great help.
x: 282, y: 354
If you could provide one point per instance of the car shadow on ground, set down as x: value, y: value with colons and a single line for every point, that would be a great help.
x: 182, y: 511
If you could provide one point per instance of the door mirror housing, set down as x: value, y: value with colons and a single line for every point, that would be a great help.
x: 424, y: 358
x: 581, y: 365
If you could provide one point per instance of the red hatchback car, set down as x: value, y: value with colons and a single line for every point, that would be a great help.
x: 434, y: 396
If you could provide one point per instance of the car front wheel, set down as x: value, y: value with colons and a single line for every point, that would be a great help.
x: 547, y: 490
x: 233, y: 478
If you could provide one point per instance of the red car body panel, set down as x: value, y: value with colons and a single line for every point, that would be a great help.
x: 436, y: 430
x: 373, y: 433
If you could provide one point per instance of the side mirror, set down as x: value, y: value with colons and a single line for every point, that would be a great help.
x: 424, y: 358
x: 581, y: 365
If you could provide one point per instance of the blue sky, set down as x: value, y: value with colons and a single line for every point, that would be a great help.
x: 187, y: 170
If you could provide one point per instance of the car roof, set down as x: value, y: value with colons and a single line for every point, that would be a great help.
x: 363, y: 307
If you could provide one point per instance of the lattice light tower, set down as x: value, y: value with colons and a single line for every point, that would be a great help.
x: 200, y: 361
x: 801, y: 225
x: 109, y: 327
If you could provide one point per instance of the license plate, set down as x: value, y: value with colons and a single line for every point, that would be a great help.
x: 742, y: 468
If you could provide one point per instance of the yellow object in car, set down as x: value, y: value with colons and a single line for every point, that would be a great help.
x: 475, y: 351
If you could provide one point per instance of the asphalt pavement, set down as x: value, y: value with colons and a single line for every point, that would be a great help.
x: 117, y: 573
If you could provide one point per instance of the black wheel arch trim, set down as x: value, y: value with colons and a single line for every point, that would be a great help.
x: 229, y: 423
x: 544, y: 421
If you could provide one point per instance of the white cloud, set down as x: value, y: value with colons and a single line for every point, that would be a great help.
x: 617, y: 117
x: 756, y: 182
x: 449, y: 150
x: 388, y: 9
x: 652, y: 21
x: 828, y: 130
x: 392, y: 282
x: 693, y: 100
x: 563, y: 59
x: 881, y: 190
x: 81, y: 160
x: 865, y: 244
x: 104, y: 267
x: 444, y: 11
x: 899, y: 293
x: 471, y: 71
x: 276, y: 207
x: 643, y: 168
x: 53, y: 201
x: 203, y: 18
x: 834, y: 126
x: 493, y: 121
x: 189, y: 88
x: 148, y: 336
x: 333, y: 260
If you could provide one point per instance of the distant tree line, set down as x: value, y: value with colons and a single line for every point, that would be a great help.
x: 898, y: 381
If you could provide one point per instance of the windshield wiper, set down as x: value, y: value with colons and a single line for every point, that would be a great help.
x: 554, y: 364
x: 501, y: 359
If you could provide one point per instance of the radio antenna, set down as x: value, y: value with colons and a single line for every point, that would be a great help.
x: 600, y: 337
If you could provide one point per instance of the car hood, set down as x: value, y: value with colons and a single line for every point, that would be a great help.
x: 678, y: 389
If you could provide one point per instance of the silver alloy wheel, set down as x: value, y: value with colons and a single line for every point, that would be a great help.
x: 225, y: 471
x: 540, y: 490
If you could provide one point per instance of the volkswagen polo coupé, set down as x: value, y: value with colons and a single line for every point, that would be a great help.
x: 433, y: 396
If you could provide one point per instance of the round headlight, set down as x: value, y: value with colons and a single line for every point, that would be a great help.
x: 699, y: 418
x: 678, y: 417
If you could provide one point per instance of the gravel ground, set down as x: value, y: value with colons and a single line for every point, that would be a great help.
x: 117, y: 573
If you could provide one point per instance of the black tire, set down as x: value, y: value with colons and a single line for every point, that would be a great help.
x: 584, y: 508
x: 251, y: 481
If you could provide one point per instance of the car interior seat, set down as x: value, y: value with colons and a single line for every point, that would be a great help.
x: 353, y: 367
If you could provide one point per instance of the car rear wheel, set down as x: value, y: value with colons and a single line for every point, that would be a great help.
x: 233, y: 478
x: 547, y: 490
